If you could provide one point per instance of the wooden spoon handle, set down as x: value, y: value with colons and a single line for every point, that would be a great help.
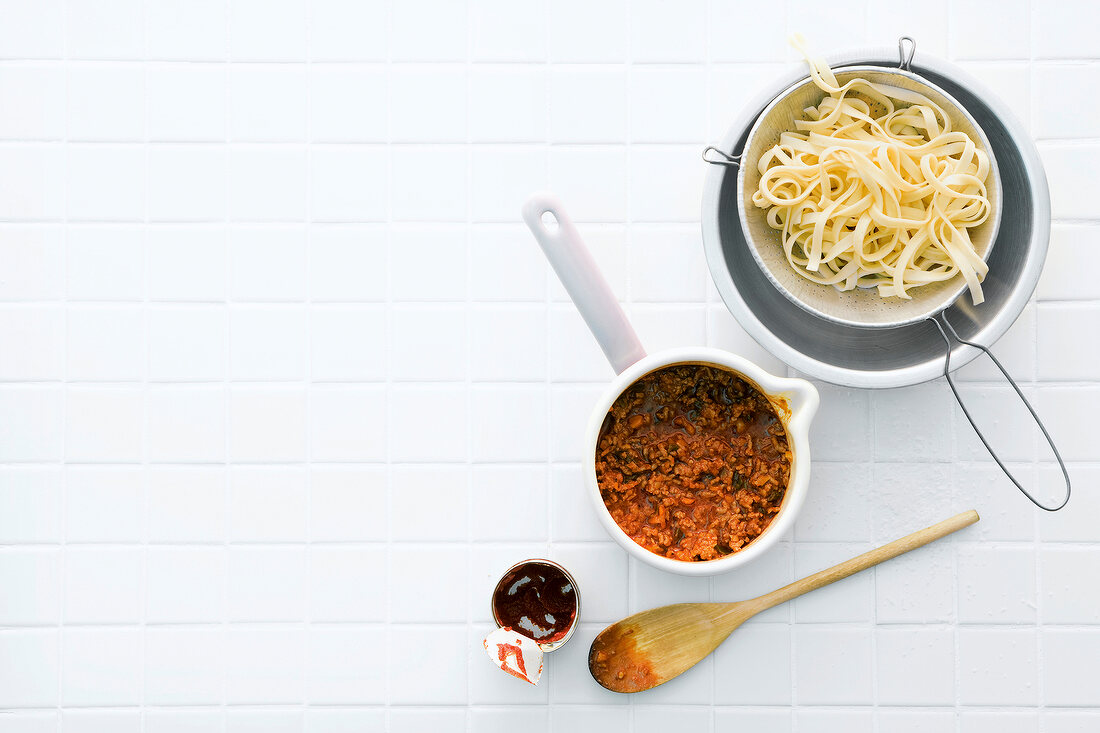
x: 864, y: 561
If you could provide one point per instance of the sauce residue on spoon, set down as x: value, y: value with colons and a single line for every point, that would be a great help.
x: 537, y: 600
x: 617, y: 664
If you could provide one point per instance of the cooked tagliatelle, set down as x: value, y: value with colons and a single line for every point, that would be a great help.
x: 874, y: 188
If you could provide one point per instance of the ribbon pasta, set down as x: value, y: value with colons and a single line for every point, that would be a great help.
x: 874, y: 188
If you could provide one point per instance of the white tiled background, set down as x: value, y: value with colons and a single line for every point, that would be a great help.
x: 286, y: 384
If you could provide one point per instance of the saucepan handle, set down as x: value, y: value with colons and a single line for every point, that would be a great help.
x: 562, y: 244
x: 941, y: 322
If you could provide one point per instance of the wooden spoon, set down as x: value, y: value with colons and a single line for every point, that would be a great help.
x: 651, y: 647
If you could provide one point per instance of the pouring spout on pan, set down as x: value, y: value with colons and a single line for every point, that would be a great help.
x: 804, y: 400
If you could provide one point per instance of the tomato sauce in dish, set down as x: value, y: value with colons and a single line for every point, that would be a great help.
x: 693, y: 462
x: 537, y: 600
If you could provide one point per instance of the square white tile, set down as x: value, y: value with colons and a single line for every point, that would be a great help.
x: 344, y: 423
x: 104, y: 504
x: 106, y: 102
x: 186, y: 585
x: 30, y: 667
x: 268, y: 31
x: 38, y: 92
x: 267, y: 424
x: 187, y: 31
x: 30, y: 504
x: 105, y: 425
x: 186, y: 424
x: 343, y: 667
x: 101, y: 667
x: 186, y: 504
x: 34, y: 582
x: 187, y: 102
x: 104, y: 263
x: 815, y: 683
x: 184, y: 665
x: 998, y: 666
x: 186, y: 183
x: 266, y: 583
x: 346, y: 584
x: 345, y: 30
x: 264, y: 665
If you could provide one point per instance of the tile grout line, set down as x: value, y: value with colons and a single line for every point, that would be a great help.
x: 1036, y: 435
x: 792, y: 560
x: 387, y: 685
x: 1079, y: 626
x: 308, y: 549
x: 468, y: 354
x: 876, y: 710
x: 1022, y: 463
x: 708, y: 331
x: 1079, y: 61
x: 1066, y: 141
x: 66, y: 265
x: 1067, y: 545
x: 143, y: 584
x: 672, y: 222
x: 548, y: 465
x: 227, y: 304
x: 628, y: 285
x: 547, y: 382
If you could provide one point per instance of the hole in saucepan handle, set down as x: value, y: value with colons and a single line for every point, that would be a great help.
x: 549, y: 221
x: 944, y: 326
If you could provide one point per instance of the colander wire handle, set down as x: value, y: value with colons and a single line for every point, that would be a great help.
x: 981, y: 436
x: 562, y: 244
x: 723, y: 158
x: 907, y: 48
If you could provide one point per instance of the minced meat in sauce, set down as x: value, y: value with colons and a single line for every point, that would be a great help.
x: 692, y: 462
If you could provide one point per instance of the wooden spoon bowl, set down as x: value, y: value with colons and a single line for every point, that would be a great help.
x: 651, y: 647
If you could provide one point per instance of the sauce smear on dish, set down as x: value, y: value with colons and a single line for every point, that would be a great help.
x: 693, y: 462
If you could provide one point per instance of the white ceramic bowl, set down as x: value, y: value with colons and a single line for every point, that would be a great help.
x: 795, y: 400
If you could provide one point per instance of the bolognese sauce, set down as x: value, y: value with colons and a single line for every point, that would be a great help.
x: 693, y: 462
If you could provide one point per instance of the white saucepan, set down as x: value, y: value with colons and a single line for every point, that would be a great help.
x: 795, y: 400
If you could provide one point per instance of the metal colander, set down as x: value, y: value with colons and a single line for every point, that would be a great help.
x: 860, y: 307
x: 857, y: 338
